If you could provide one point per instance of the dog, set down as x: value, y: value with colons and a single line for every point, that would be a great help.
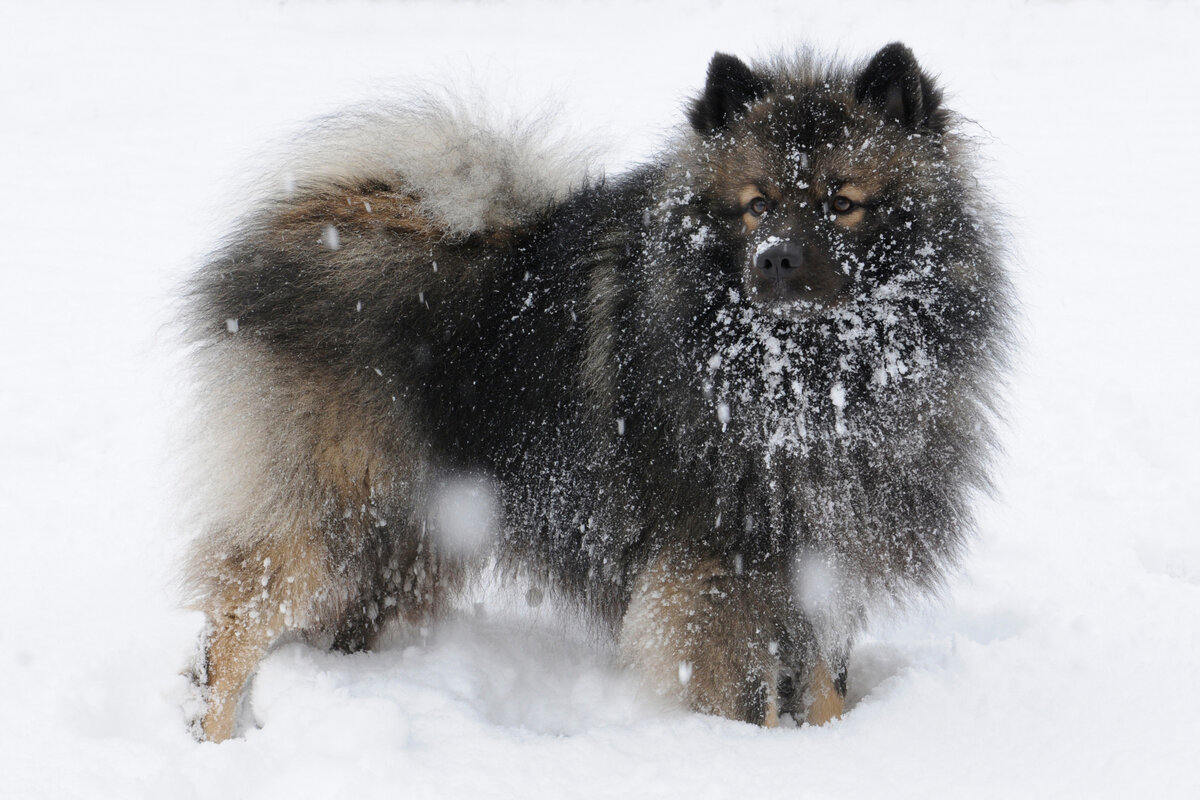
x: 727, y: 402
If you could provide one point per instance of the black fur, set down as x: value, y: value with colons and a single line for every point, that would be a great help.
x: 731, y: 88
x: 895, y: 84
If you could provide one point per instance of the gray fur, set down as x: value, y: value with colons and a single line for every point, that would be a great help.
x: 473, y: 168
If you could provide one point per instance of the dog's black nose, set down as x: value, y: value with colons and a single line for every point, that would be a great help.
x: 778, y: 260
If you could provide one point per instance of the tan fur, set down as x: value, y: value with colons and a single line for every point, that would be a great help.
x: 748, y: 193
x: 362, y: 211
x: 825, y: 701
x: 698, y: 631
x: 287, y: 453
x: 346, y: 454
x: 283, y: 442
x: 858, y: 194
x: 232, y: 655
x: 850, y: 220
x: 378, y: 211
x: 247, y: 615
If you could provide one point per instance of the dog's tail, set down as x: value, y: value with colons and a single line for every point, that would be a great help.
x: 467, y: 170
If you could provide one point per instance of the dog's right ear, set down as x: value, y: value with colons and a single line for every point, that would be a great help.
x: 731, y: 88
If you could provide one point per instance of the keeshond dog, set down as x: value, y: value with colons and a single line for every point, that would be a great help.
x: 727, y: 402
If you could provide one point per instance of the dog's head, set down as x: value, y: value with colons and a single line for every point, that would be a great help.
x: 824, y: 180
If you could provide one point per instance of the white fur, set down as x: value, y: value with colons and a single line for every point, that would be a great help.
x: 471, y: 168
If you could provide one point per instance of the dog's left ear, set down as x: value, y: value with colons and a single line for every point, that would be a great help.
x: 893, y: 83
x: 731, y: 88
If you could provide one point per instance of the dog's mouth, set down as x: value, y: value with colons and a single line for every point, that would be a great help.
x: 799, y: 296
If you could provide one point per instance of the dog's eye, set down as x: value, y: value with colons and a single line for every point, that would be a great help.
x: 757, y: 206
x: 843, y: 205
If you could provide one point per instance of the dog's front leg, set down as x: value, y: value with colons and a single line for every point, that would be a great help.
x: 708, y: 630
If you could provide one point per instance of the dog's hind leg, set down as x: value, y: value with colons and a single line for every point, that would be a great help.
x: 408, y: 580
x: 337, y: 581
x: 232, y: 650
x: 256, y: 595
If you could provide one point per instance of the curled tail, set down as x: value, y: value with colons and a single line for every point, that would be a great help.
x: 465, y: 170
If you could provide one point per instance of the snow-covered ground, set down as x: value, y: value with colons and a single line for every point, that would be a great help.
x: 1063, y: 661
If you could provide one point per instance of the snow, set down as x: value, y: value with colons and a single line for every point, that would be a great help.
x: 766, y: 244
x: 465, y: 514
x: 330, y: 238
x: 1059, y: 663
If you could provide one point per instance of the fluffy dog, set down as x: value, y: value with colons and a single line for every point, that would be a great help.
x: 725, y: 402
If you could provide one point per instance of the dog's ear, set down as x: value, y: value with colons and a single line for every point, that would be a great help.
x: 893, y: 83
x: 731, y: 88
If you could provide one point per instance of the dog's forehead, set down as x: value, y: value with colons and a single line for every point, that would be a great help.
x: 796, y: 132
x: 802, y: 120
x: 808, y: 139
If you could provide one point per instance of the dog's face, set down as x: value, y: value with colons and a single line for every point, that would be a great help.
x: 823, y: 189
